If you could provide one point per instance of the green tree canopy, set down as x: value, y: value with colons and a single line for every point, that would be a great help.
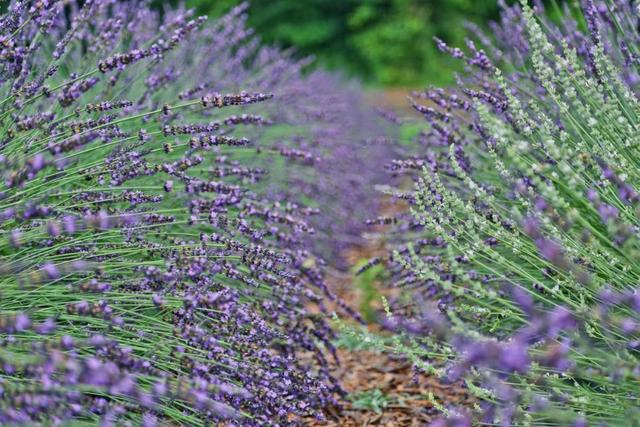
x: 386, y: 42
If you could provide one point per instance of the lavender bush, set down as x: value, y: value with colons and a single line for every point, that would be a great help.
x: 522, y: 262
x: 149, y: 275
x: 347, y: 144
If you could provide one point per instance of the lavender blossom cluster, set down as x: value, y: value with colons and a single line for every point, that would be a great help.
x: 338, y: 147
x: 349, y: 145
x: 521, y: 254
x: 149, y: 276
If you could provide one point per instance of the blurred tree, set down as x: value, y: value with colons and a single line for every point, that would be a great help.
x: 395, y: 37
x: 384, y: 42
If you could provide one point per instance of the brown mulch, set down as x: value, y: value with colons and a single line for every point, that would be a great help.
x: 361, y: 371
x: 408, y: 402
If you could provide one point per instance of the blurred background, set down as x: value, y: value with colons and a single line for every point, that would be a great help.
x: 384, y: 43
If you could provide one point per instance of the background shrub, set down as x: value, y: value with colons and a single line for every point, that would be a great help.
x: 381, y: 42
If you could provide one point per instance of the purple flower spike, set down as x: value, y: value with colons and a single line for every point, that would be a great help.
x: 66, y: 342
x: 22, y: 322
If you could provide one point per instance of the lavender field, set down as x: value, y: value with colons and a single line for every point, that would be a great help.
x: 202, y: 224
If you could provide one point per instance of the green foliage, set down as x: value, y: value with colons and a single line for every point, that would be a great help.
x: 372, y: 400
x: 350, y: 342
x: 387, y: 42
x: 367, y: 285
x: 394, y: 37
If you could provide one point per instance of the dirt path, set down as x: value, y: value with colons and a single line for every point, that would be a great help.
x: 392, y: 98
x: 383, y: 389
x: 385, y: 392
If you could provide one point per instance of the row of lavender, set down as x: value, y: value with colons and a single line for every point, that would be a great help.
x: 155, y: 261
x: 521, y: 252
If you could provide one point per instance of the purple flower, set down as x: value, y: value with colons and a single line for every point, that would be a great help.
x: 158, y: 301
x: 51, y: 270
x: 607, y: 212
x: 69, y: 223
x: 531, y: 226
x: 53, y: 228
x: 15, y: 238
x: 552, y: 251
x: 66, y: 342
x: 47, y: 327
x: 514, y: 357
x: 21, y: 322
